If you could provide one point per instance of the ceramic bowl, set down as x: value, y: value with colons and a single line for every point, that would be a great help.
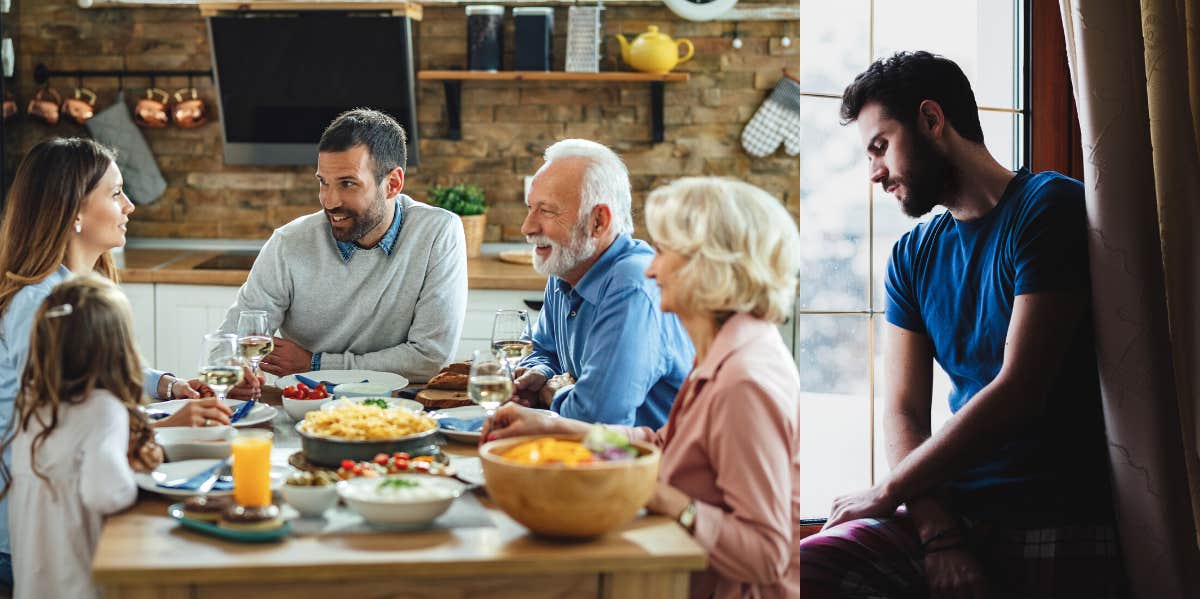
x: 310, y: 501
x: 381, y: 507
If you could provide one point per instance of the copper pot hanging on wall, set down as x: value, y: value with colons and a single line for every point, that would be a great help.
x: 10, y: 106
x: 44, y: 105
x: 151, y: 111
x: 82, y: 107
x: 189, y: 112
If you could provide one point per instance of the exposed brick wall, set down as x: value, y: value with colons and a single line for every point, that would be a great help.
x: 505, y: 125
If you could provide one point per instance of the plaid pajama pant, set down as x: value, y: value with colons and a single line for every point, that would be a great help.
x: 882, y: 558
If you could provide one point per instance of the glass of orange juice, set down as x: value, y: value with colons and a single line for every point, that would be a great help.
x: 252, y: 467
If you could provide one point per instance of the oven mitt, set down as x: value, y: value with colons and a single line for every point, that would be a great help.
x: 114, y: 128
x: 777, y: 120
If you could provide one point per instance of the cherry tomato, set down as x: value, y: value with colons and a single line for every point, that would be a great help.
x: 321, y: 388
x: 400, y: 455
x: 402, y: 464
x: 347, y: 464
x: 381, y: 459
x: 303, y: 387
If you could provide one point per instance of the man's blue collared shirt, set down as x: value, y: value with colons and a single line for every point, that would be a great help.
x: 628, y: 357
x: 347, y: 248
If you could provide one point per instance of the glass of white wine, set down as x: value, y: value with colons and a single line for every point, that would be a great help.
x: 490, y: 382
x: 254, y: 340
x: 220, y: 362
x: 511, y: 335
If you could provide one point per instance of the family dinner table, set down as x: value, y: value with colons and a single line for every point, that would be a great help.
x: 143, y: 553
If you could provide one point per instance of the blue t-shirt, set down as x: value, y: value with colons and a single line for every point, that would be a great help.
x: 955, y: 282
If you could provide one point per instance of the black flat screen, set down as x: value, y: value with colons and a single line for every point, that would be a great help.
x: 283, y: 78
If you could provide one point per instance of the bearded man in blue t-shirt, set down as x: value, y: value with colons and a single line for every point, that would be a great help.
x: 1012, y: 495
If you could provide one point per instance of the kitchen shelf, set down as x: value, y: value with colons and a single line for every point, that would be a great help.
x: 210, y: 8
x: 452, y: 81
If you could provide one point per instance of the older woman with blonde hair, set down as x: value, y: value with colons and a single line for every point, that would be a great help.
x: 728, y: 257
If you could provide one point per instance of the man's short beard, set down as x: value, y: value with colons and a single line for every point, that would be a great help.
x: 564, y: 259
x: 364, y: 222
x: 929, y: 180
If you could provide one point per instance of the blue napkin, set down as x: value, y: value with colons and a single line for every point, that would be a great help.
x: 241, y: 411
x: 465, y: 425
x: 313, y: 384
x: 193, y: 483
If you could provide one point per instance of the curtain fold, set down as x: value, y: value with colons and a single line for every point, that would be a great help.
x: 1134, y: 76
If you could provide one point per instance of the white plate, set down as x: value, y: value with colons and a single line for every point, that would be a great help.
x: 188, y: 468
x: 464, y: 412
x: 338, y: 377
x: 393, y: 402
x: 259, y: 414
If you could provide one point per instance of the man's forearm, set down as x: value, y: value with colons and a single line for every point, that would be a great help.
x: 994, y: 414
x: 929, y: 512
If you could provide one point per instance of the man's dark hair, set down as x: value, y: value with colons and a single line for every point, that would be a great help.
x: 381, y: 134
x: 902, y: 81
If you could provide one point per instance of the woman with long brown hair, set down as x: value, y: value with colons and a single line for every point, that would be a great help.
x: 79, y: 436
x: 66, y: 210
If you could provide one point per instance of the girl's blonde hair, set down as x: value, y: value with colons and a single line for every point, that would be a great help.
x: 82, y: 340
x: 742, y: 246
x: 47, y: 193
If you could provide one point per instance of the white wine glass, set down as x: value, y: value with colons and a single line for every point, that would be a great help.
x: 220, y: 362
x: 511, y: 336
x: 254, y: 339
x: 490, y: 381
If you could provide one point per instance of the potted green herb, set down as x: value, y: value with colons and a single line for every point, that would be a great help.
x: 467, y: 202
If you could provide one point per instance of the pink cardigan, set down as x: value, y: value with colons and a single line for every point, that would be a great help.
x: 733, y: 446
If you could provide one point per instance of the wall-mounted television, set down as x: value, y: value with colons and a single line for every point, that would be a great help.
x: 283, y: 77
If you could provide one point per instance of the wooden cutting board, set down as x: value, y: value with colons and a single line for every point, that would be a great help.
x: 517, y: 257
x: 440, y: 399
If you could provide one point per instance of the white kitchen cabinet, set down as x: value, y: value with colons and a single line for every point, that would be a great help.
x: 481, y: 311
x: 184, y: 314
x: 141, y: 299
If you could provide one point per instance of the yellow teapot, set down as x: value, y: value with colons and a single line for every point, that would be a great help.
x: 654, y: 52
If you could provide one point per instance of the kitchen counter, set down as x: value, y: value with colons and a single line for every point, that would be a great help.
x: 161, y: 265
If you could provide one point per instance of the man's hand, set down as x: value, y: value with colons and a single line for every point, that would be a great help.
x: 954, y: 573
x: 249, y: 388
x: 287, y: 358
x: 526, y: 387
x: 871, y: 503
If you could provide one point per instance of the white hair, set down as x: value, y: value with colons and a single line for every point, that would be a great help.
x: 742, y: 246
x: 605, y: 182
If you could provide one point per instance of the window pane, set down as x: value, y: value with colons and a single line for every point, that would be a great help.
x: 939, y: 404
x: 890, y: 225
x: 980, y: 36
x: 833, y: 211
x: 835, y: 442
x: 833, y: 44
x: 1003, y: 133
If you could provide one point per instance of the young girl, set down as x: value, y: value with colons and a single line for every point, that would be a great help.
x: 78, y: 436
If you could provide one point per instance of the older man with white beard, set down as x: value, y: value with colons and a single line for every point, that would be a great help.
x: 602, y: 349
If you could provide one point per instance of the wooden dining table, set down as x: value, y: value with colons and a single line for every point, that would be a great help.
x: 143, y: 553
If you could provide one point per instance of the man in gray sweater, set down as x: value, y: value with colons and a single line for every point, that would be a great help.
x: 375, y: 280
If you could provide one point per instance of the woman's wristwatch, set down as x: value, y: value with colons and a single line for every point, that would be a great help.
x: 687, y: 518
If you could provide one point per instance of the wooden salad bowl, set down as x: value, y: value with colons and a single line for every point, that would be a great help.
x: 569, y: 502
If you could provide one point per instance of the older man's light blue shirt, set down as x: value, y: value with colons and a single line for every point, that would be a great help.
x: 628, y: 357
x: 16, y: 325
